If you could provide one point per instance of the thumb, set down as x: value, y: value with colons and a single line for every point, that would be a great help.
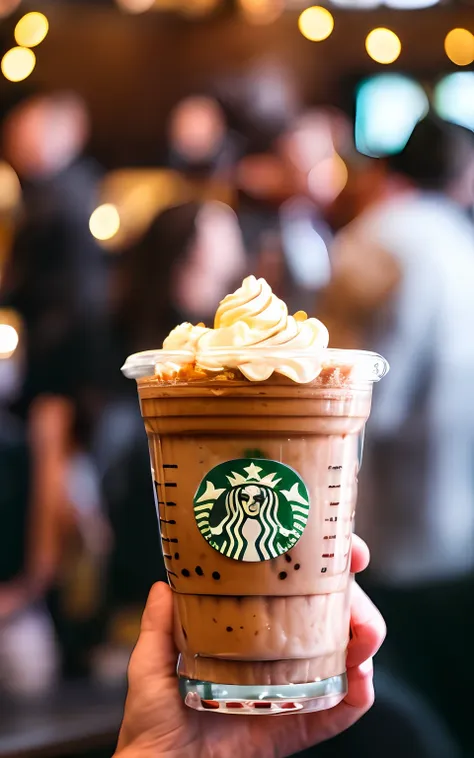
x: 155, y: 652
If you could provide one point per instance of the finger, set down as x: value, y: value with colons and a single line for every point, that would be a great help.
x: 155, y: 651
x: 360, y: 555
x: 367, y: 626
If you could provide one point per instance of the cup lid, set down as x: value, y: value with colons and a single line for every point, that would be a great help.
x: 365, y: 366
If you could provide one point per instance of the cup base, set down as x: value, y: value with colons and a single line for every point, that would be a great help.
x: 263, y: 700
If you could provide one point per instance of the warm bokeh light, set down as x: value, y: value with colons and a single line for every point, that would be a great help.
x: 8, y: 340
x: 135, y: 6
x: 31, y: 29
x: 383, y: 46
x: 8, y: 6
x: 105, y: 222
x: 316, y: 23
x: 328, y: 178
x: 459, y: 47
x: 18, y: 63
x: 262, y: 11
x: 10, y: 188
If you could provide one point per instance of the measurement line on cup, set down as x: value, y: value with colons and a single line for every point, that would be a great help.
x: 333, y: 519
x: 170, y: 465
x: 334, y: 504
x: 171, y: 573
x: 170, y: 539
x: 169, y: 557
x: 170, y: 503
x: 330, y: 537
x: 334, y: 468
x: 334, y: 486
x: 166, y: 484
x: 327, y: 555
x: 165, y: 521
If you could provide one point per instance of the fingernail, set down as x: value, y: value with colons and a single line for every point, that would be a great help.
x: 367, y: 667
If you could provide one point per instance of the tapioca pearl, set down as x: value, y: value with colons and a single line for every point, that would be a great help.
x: 199, y: 571
x: 297, y: 566
x: 282, y: 575
x: 185, y: 573
x: 288, y: 558
x: 176, y: 556
x: 216, y: 575
x: 229, y: 629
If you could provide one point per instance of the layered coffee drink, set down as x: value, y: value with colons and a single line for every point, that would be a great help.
x: 256, y: 431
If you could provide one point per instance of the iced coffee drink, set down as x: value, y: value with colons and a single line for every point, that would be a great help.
x: 255, y: 429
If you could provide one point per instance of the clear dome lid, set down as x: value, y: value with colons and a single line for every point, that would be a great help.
x: 364, y: 366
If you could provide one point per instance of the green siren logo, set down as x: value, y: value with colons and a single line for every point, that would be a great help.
x: 252, y: 509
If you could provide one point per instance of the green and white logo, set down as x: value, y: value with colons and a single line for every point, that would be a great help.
x: 251, y: 509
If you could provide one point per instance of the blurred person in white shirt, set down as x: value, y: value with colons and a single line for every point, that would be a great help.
x: 402, y: 283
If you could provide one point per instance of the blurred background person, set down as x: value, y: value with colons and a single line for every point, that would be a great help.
x: 54, y: 280
x: 200, y: 142
x: 401, y: 282
x: 187, y: 260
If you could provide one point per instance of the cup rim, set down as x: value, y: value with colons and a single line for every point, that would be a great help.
x: 367, y: 366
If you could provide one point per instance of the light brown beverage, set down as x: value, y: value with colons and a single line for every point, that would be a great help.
x: 284, y: 620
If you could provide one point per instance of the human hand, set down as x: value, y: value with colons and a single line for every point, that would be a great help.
x: 158, y: 724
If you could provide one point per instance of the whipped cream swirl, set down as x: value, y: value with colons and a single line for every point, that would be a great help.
x: 254, y: 333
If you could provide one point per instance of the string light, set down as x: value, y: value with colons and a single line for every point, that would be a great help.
x: 383, y: 46
x: 9, y: 340
x: 104, y: 222
x: 316, y: 23
x: 18, y: 63
x: 459, y: 47
x: 262, y: 11
x: 31, y: 29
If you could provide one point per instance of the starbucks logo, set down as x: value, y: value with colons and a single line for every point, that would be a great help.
x: 251, y: 509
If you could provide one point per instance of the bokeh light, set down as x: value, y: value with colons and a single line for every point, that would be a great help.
x: 388, y: 106
x: 262, y: 11
x: 135, y: 6
x: 10, y: 188
x: 316, y: 23
x: 410, y: 4
x: 459, y: 47
x: 31, y: 29
x: 383, y: 46
x: 8, y: 340
x: 454, y: 98
x: 328, y: 178
x: 18, y: 63
x: 104, y: 222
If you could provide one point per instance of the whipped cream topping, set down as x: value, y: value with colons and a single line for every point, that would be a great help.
x: 254, y: 333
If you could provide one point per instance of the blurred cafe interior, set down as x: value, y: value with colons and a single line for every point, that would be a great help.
x: 152, y: 154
